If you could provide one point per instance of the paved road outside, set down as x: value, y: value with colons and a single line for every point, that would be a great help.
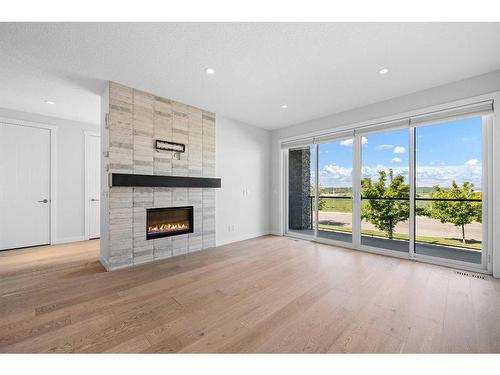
x: 425, y: 226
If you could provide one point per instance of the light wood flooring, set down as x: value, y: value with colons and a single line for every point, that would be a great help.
x: 270, y: 294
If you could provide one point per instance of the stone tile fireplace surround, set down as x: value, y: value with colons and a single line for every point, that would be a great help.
x: 135, y: 119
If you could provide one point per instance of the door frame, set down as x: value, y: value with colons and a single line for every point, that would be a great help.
x: 87, y: 134
x: 284, y: 230
x: 53, y: 167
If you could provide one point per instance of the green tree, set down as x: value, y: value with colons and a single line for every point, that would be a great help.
x: 384, y: 214
x: 458, y: 213
x: 321, y: 201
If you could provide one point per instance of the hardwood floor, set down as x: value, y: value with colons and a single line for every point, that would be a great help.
x: 270, y: 294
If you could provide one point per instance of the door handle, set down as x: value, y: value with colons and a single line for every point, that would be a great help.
x: 44, y: 201
x: 94, y: 200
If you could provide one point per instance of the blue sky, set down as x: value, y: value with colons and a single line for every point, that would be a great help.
x: 444, y: 152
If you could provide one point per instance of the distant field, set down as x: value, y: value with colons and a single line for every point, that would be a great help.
x: 345, y: 205
x: 336, y: 205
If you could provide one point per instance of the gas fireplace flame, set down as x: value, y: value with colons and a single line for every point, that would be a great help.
x: 162, y: 228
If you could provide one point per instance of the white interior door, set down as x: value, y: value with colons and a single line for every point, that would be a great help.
x: 24, y: 186
x: 93, y: 183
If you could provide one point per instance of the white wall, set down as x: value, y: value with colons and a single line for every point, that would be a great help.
x: 468, y: 88
x: 243, y: 164
x: 70, y: 183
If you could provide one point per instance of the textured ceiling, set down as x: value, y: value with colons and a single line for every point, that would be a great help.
x: 316, y: 69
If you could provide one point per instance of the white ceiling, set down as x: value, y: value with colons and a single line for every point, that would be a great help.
x: 316, y: 69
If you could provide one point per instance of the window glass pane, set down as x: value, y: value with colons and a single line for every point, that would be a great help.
x: 385, y: 190
x: 449, y: 190
x: 335, y: 190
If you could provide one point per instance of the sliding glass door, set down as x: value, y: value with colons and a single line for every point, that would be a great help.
x: 385, y: 190
x: 415, y: 188
x: 335, y: 190
x: 449, y: 190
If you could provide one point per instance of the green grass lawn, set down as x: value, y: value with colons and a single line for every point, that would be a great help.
x: 471, y: 244
x: 345, y: 205
x: 336, y: 205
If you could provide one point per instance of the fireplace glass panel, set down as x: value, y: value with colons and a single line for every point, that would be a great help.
x: 169, y: 221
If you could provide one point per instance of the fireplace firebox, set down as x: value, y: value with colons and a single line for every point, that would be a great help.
x: 168, y: 221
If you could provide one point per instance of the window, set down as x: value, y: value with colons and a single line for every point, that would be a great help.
x: 385, y: 190
x: 448, y: 192
x: 335, y: 190
x: 416, y: 187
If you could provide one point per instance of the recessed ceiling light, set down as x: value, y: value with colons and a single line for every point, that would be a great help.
x: 284, y: 106
x: 50, y: 102
x: 210, y: 70
x: 383, y: 71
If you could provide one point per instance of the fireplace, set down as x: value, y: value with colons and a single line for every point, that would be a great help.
x: 168, y: 221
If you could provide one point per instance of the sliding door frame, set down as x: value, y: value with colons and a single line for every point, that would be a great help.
x: 355, y: 146
x: 487, y: 171
x: 284, y: 201
x: 486, y: 189
x: 356, y: 191
x: 316, y: 190
x: 391, y: 126
x: 489, y: 166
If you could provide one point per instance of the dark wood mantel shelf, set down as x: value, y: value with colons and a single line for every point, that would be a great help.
x: 126, y: 179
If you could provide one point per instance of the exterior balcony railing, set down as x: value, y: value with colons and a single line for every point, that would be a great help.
x: 422, y: 203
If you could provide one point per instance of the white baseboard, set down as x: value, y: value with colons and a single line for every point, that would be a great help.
x: 275, y: 233
x: 242, y: 238
x: 69, y: 239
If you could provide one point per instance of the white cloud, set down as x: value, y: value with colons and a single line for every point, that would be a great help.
x: 337, y: 171
x: 430, y: 175
x: 383, y: 147
x: 396, y: 160
x: 399, y: 150
x: 444, y: 175
x: 427, y: 175
x: 348, y: 142
x: 335, y: 175
x: 472, y: 162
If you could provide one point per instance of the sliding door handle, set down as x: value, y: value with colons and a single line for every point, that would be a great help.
x: 94, y: 200
x: 44, y: 201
